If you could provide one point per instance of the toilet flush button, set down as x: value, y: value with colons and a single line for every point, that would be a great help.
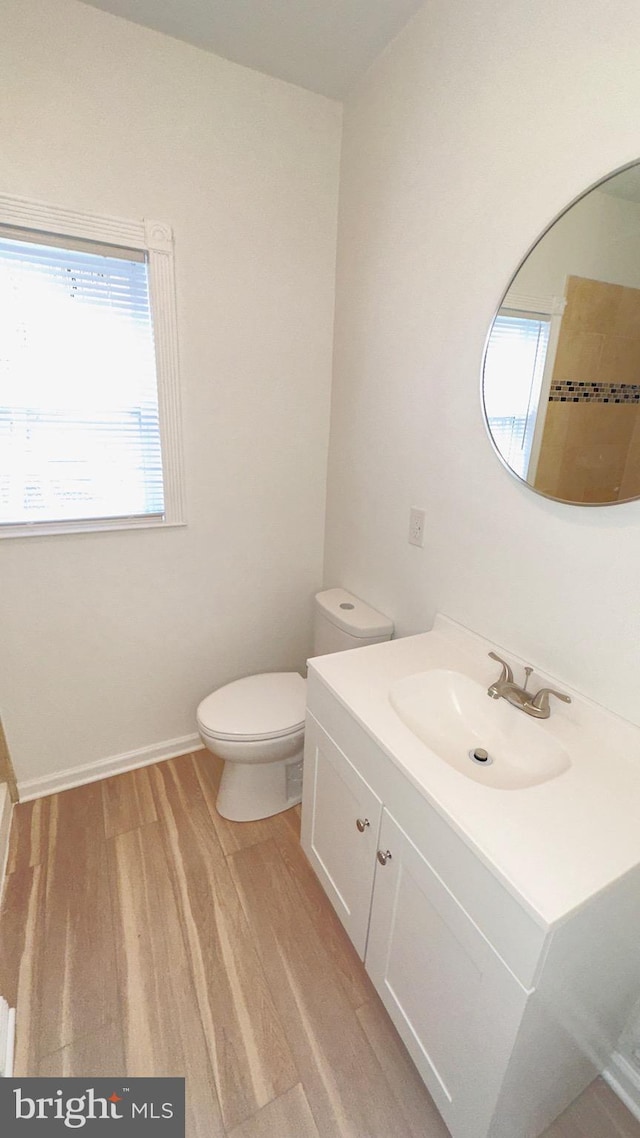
x: 346, y: 605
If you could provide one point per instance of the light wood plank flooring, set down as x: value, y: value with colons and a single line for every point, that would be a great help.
x: 142, y: 934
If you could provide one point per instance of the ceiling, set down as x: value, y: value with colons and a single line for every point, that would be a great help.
x: 323, y: 45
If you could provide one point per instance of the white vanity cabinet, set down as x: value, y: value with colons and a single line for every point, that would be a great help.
x: 456, y: 1004
x: 341, y: 832
x: 481, y: 991
x: 454, y: 1001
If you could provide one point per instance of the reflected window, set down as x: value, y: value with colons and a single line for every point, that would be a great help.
x: 513, y: 370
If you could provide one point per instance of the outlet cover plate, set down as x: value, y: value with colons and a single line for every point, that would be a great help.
x: 416, y: 526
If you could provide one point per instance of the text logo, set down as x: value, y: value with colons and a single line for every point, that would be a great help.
x: 116, y: 1108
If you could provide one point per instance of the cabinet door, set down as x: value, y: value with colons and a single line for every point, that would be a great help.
x: 455, y: 1003
x: 340, y: 823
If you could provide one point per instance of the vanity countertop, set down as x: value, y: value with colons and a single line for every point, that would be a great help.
x: 554, y: 844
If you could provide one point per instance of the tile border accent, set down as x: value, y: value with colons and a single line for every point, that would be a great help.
x: 575, y: 391
x: 103, y: 768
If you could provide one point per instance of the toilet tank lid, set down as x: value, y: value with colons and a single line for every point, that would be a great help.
x: 352, y: 615
x: 256, y: 707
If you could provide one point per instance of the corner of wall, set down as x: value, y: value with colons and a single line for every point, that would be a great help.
x: 624, y: 1080
x: 6, y: 809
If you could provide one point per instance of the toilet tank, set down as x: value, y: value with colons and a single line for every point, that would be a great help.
x: 344, y: 621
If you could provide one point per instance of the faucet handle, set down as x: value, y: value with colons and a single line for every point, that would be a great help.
x: 541, y: 699
x: 507, y: 674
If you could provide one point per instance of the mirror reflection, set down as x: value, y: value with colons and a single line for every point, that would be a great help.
x: 561, y: 375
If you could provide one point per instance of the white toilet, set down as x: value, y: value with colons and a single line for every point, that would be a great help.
x: 257, y: 724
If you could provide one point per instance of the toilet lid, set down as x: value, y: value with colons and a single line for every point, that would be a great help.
x: 257, y: 707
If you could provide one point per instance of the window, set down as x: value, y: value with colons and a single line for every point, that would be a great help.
x: 89, y: 432
x: 513, y: 370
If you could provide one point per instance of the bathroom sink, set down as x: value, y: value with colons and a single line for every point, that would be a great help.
x: 455, y: 717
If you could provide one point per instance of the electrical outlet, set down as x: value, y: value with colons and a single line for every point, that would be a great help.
x: 416, y: 526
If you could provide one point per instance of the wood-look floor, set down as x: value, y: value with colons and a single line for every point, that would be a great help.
x: 142, y: 934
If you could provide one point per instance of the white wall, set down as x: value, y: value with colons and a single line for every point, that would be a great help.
x: 478, y: 125
x: 110, y: 640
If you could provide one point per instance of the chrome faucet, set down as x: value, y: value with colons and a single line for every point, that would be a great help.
x: 536, y: 705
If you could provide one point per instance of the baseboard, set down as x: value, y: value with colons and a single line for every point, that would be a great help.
x: 6, y: 806
x: 624, y: 1079
x: 104, y: 768
x: 7, y: 1038
x: 7, y: 1014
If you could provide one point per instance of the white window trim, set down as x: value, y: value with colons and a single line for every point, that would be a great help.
x: 535, y: 302
x: 552, y: 306
x: 155, y: 238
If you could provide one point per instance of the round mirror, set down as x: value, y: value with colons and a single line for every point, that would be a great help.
x: 561, y: 373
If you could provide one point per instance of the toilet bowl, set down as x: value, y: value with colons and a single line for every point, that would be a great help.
x: 256, y: 724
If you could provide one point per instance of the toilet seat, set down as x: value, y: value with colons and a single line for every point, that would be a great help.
x: 257, y: 708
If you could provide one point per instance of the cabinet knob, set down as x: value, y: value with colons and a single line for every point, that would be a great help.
x: 362, y: 824
x: 383, y: 856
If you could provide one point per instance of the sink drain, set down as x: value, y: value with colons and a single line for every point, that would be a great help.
x: 481, y: 757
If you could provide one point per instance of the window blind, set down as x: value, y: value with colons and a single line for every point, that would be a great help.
x: 513, y: 370
x: 79, y: 425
